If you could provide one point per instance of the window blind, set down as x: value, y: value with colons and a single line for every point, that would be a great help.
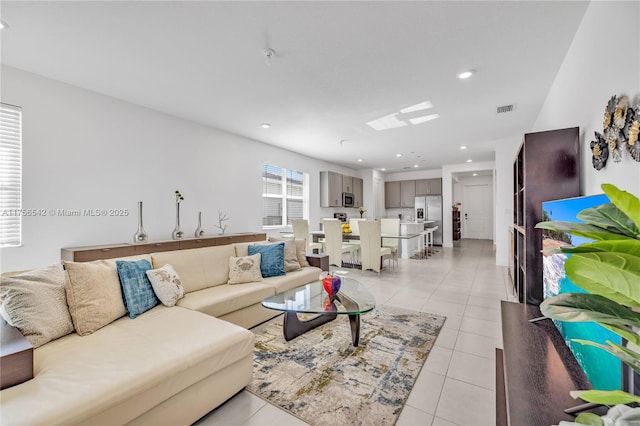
x: 10, y: 175
x: 283, y: 195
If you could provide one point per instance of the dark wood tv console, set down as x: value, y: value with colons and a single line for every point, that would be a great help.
x: 535, y: 372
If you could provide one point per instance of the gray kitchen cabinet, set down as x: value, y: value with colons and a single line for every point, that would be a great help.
x: 330, y: 189
x: 407, y: 193
x: 429, y: 186
x: 347, y: 184
x: 392, y: 194
x: 358, y: 192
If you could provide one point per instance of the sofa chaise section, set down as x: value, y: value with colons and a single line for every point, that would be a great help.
x: 142, y: 371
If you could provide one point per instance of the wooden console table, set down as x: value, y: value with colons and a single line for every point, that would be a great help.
x: 535, y: 372
x: 89, y: 253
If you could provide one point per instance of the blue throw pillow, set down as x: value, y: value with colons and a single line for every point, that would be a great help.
x: 136, y: 288
x: 272, y: 258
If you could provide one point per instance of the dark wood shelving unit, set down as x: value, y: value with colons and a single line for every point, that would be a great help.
x: 457, y: 231
x: 546, y: 167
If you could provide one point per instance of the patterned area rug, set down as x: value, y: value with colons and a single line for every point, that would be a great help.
x: 322, y: 379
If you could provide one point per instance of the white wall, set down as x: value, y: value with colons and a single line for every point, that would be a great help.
x: 84, y: 150
x: 600, y: 63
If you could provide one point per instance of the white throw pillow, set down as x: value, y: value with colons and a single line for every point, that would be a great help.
x: 35, y: 303
x: 245, y: 269
x: 166, y: 284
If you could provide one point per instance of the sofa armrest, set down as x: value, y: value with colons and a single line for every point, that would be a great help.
x: 16, y: 356
x: 319, y: 261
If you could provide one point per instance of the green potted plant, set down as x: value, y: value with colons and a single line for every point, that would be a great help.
x: 609, y: 270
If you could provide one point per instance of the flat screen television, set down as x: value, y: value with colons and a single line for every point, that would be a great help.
x: 604, y: 371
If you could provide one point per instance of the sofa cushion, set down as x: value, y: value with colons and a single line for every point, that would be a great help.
x: 242, y: 249
x: 244, y: 269
x: 223, y: 299
x: 136, y: 288
x: 166, y: 284
x: 290, y: 253
x: 198, y: 268
x: 93, y: 294
x: 294, y: 279
x: 35, y: 303
x: 95, y: 379
x: 301, y: 252
x: 272, y: 261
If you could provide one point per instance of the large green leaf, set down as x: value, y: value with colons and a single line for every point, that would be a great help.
x: 623, y: 354
x: 609, y: 217
x: 624, y: 332
x: 581, y: 307
x: 631, y: 247
x: 606, y: 397
x: 612, y: 275
x: 626, y: 202
x: 581, y: 230
x: 589, y: 419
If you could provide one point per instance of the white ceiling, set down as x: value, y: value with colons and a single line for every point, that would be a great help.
x: 337, y: 66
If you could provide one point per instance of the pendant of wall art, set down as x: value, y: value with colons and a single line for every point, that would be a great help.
x: 600, y: 151
x: 615, y: 117
x: 633, y: 130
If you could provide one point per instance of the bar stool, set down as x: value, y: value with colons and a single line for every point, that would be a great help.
x: 428, y: 233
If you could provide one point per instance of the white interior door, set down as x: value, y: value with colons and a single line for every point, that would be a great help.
x: 476, y: 212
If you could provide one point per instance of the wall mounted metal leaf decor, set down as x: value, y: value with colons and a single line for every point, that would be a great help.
x: 633, y: 130
x: 600, y: 151
x: 621, y: 126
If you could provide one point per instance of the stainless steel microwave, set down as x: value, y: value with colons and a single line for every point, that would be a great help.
x: 347, y: 199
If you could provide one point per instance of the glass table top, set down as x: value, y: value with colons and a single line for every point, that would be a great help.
x: 353, y: 298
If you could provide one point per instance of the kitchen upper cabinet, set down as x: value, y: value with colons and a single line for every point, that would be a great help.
x: 429, y: 186
x: 358, y: 192
x: 407, y: 193
x: 330, y: 189
x: 392, y: 195
x: 398, y: 194
x: 347, y: 184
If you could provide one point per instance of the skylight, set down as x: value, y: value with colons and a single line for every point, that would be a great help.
x: 424, y: 118
x: 397, y: 119
x: 387, y: 122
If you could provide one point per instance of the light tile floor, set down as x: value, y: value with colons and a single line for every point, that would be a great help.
x: 457, y: 383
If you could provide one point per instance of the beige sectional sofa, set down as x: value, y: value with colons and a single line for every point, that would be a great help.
x: 169, y: 365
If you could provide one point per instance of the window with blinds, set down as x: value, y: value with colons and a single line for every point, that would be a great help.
x: 10, y: 175
x: 284, y: 196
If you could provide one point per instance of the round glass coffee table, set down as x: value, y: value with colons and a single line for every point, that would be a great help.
x: 353, y: 299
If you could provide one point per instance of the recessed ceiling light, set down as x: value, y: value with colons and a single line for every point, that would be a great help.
x: 383, y: 169
x: 360, y: 160
x: 415, y: 165
x: 463, y: 147
x: 475, y: 174
x: 398, y: 155
x: 465, y: 74
x: 3, y: 25
x: 265, y: 125
x: 469, y: 161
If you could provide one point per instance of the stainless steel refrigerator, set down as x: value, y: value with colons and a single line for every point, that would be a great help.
x: 429, y: 209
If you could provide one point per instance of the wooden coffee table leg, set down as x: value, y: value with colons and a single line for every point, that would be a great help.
x: 293, y: 327
x: 354, y: 319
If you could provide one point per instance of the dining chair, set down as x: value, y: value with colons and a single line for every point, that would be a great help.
x: 371, y: 251
x: 391, y: 226
x: 333, y: 245
x: 301, y: 232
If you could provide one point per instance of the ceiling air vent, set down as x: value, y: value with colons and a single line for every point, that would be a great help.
x: 505, y: 108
